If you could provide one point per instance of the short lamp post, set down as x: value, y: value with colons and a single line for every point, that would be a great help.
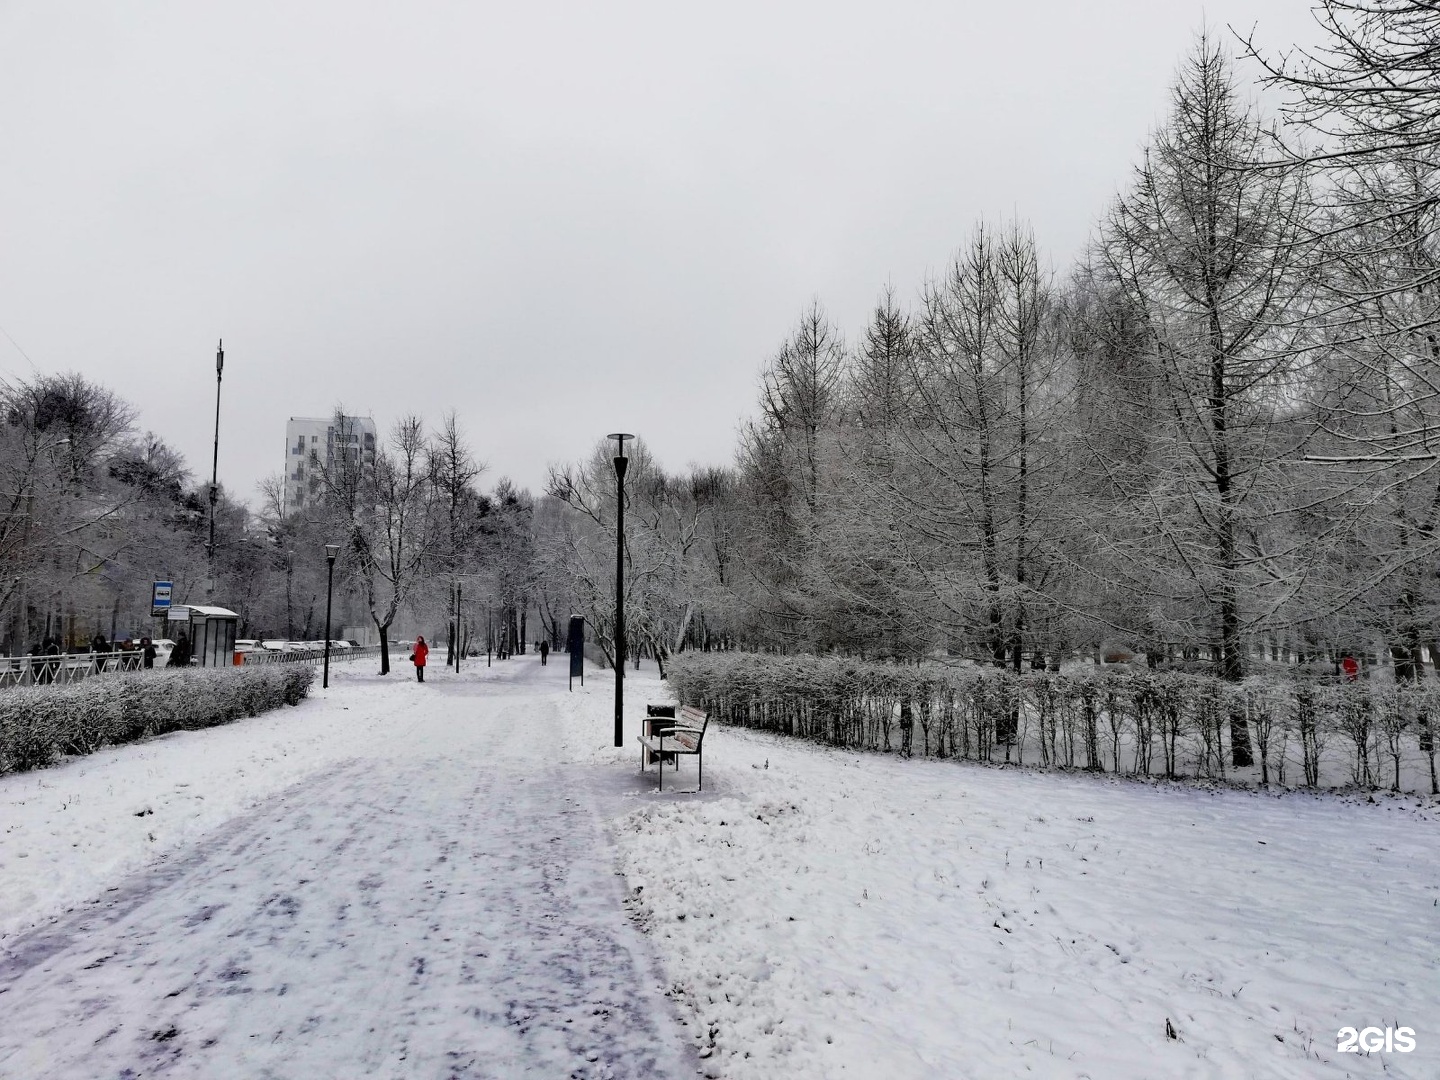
x: 620, y: 465
x: 331, y: 551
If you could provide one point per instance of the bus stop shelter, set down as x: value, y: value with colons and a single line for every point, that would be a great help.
x: 211, y: 630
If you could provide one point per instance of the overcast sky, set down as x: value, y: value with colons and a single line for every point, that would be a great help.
x: 559, y: 219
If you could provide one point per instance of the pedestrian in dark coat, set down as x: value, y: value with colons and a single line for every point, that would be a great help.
x: 418, y: 658
x: 180, y: 655
x: 50, y: 668
x: 99, y: 646
x: 544, y: 652
x: 147, y: 652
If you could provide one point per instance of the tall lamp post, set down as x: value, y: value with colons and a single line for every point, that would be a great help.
x: 621, y: 462
x: 331, y: 550
x: 215, y: 469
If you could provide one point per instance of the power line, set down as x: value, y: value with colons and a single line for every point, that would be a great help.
x: 21, y: 351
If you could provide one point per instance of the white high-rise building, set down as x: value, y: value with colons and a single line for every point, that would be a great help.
x: 313, y: 444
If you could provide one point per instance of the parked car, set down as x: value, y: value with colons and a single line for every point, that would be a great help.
x: 275, y: 645
x: 335, y: 643
x: 163, y: 648
x: 247, y: 645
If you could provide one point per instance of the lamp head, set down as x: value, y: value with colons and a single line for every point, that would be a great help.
x: 219, y: 358
x: 621, y: 438
x: 331, y: 551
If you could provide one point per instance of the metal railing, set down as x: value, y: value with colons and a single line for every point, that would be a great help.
x: 310, y: 656
x: 61, y: 669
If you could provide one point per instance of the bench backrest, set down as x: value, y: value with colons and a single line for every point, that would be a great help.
x: 690, y: 716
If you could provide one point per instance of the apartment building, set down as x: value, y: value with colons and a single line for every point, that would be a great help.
x: 314, y: 444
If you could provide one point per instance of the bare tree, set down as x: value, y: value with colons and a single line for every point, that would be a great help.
x: 1209, y: 247
x: 1373, y: 88
x: 387, y: 512
x: 453, y: 471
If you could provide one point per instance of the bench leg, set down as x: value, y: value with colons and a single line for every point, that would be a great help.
x: 700, y: 771
x: 661, y: 758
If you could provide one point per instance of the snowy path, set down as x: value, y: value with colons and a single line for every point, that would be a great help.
x: 445, y: 906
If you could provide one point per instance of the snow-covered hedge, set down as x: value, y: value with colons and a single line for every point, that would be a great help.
x: 1160, y: 724
x: 41, y: 723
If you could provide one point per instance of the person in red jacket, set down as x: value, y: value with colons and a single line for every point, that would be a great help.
x: 418, y: 656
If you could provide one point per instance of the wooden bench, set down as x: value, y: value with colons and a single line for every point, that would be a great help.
x: 684, y: 735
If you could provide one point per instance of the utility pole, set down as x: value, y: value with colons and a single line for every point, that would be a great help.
x: 215, y: 472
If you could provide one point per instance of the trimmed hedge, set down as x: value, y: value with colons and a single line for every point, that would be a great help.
x: 39, y: 724
x: 1142, y: 723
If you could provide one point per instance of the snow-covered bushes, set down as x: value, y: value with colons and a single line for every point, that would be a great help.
x: 41, y: 723
x: 1143, y: 723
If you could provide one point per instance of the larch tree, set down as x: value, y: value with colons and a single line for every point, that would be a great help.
x: 1368, y: 100
x: 453, y: 470
x: 1209, y: 245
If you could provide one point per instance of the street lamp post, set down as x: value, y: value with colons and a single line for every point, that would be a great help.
x: 621, y: 438
x: 331, y: 550
x: 215, y: 469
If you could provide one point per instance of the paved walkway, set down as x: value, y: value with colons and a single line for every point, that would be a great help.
x: 450, y: 911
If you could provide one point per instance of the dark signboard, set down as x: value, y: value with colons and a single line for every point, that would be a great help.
x: 576, y: 645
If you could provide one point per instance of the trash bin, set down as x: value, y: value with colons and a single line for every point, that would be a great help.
x: 656, y: 717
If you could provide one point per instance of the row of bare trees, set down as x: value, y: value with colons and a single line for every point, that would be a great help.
x: 93, y: 511
x: 419, y: 540
x: 1215, y: 439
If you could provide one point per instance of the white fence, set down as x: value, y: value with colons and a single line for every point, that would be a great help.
x: 63, y: 669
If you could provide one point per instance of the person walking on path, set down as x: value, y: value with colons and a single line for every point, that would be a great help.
x: 544, y: 652
x: 418, y: 657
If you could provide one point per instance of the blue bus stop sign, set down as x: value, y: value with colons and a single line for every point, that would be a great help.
x: 160, y: 597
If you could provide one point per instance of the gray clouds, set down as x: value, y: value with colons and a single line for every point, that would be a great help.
x: 561, y: 219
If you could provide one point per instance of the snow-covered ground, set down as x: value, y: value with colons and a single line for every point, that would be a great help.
x: 397, y: 880
x: 829, y: 914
